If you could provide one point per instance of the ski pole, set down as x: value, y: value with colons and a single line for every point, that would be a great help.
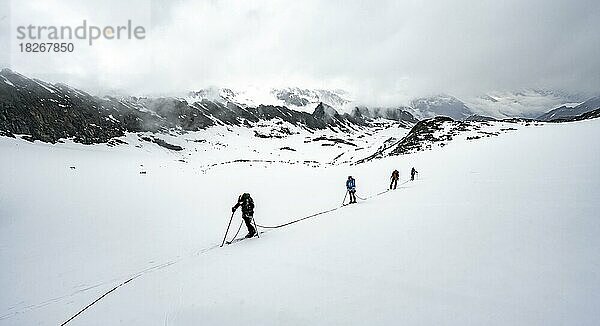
x: 227, y: 231
x: 236, y: 234
x: 346, y: 195
x: 255, y: 227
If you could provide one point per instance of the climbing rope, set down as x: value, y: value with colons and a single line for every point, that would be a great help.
x: 323, y: 212
x: 359, y: 197
x: 298, y: 220
x: 380, y: 193
x: 205, y: 250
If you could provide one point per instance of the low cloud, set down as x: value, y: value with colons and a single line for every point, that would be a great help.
x: 381, y: 51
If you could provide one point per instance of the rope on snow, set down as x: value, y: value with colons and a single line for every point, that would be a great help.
x: 323, y: 212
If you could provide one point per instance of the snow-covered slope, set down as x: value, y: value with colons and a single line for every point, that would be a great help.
x: 500, y: 231
x: 565, y: 112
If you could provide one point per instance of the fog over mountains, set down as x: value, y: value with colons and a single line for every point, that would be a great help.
x: 50, y: 112
x: 527, y: 103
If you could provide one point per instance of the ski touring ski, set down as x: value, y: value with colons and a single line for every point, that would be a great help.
x: 236, y: 240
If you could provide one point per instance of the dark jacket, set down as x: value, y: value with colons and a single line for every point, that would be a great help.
x: 247, y: 204
x: 395, y: 175
x: 350, y: 184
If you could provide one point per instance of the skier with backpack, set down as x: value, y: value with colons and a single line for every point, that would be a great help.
x: 412, y: 174
x: 395, y: 177
x: 351, y: 189
x: 247, y: 204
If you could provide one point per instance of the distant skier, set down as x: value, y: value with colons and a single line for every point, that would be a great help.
x: 247, y: 204
x: 351, y: 188
x: 412, y: 174
x: 395, y: 177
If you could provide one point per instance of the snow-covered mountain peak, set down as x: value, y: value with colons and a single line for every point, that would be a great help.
x: 441, y: 104
x: 527, y: 103
x: 300, y: 99
x: 213, y: 94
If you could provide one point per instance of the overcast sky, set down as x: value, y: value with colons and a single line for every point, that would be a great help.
x: 375, y: 49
